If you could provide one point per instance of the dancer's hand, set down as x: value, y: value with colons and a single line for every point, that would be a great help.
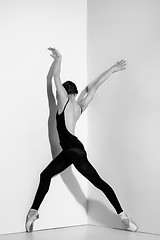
x: 55, y: 54
x: 118, y: 66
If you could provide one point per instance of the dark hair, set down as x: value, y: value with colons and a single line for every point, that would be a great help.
x: 70, y: 87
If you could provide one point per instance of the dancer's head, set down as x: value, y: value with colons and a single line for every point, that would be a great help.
x: 70, y: 87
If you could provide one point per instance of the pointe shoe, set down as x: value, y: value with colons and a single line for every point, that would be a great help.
x: 128, y: 223
x: 31, y: 217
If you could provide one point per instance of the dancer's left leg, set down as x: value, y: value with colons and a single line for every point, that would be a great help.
x: 79, y: 159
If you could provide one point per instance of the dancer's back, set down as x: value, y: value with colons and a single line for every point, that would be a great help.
x: 72, y: 112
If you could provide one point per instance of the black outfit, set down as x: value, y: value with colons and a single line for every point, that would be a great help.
x: 67, y: 140
x: 73, y: 153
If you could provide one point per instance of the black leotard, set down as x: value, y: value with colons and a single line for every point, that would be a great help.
x: 72, y: 152
x: 67, y: 140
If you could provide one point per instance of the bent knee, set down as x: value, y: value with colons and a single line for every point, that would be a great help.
x: 43, y: 174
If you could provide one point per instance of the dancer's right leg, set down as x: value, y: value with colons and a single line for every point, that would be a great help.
x: 59, y: 164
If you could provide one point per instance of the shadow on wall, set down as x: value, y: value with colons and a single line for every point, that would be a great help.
x: 102, y: 215
x: 67, y: 175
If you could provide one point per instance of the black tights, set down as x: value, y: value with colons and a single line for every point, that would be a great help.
x: 78, y: 157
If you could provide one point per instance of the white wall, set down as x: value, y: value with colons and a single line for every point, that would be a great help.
x: 124, y: 135
x: 27, y: 29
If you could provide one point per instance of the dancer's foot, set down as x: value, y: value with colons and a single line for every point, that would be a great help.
x: 31, y: 217
x: 128, y: 223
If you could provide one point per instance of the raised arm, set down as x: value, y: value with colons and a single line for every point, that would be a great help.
x: 88, y: 93
x: 55, y: 72
x: 50, y: 95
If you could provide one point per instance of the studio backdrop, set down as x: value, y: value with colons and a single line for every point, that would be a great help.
x: 27, y: 29
x: 121, y: 129
x: 124, y: 129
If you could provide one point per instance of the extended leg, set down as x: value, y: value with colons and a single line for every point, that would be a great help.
x: 80, y: 161
x: 59, y: 164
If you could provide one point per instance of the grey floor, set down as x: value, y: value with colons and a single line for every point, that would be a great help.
x: 86, y: 232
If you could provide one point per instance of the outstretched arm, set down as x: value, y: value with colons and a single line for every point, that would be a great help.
x: 88, y: 93
x: 55, y: 72
x: 50, y: 95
